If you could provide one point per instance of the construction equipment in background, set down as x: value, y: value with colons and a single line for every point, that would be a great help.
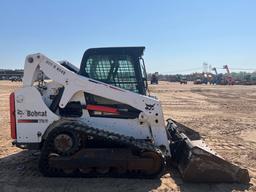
x: 229, y: 78
x: 15, y: 78
x: 215, y: 70
x: 247, y: 79
x: 198, y: 81
x: 208, y: 78
x: 154, y: 78
x: 183, y: 80
x: 100, y: 121
x: 218, y: 78
x: 211, y: 79
x: 215, y: 79
x: 12, y: 75
x: 201, y: 78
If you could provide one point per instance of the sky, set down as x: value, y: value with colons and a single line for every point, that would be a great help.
x: 179, y: 35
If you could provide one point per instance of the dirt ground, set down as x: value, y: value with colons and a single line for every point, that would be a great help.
x: 225, y: 116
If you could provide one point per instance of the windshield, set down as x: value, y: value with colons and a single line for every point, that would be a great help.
x: 117, y: 70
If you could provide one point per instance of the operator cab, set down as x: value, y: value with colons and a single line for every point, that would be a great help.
x: 119, y: 66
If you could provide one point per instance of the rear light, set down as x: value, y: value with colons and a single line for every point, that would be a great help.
x: 12, y: 116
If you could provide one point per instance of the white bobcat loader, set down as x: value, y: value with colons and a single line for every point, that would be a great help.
x: 100, y: 121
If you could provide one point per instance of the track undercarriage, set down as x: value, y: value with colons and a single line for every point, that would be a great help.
x: 74, y: 149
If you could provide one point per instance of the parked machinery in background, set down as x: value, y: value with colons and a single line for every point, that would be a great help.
x: 229, y: 78
x: 208, y: 78
x: 154, y: 78
x: 218, y: 78
x: 15, y: 78
x: 201, y: 78
x: 12, y: 75
x: 198, y: 81
x: 183, y: 80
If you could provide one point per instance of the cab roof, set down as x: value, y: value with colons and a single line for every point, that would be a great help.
x: 135, y: 51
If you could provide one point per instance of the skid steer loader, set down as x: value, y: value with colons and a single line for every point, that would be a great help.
x: 99, y: 120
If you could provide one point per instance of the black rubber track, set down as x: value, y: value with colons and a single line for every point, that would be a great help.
x: 138, y: 145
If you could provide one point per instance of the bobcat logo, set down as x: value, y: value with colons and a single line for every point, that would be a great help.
x: 20, y: 112
x: 149, y: 106
x: 32, y: 113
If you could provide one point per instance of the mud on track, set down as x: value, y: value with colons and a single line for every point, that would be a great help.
x: 225, y: 116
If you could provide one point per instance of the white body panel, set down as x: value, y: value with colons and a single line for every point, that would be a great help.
x: 153, y: 126
x: 32, y: 115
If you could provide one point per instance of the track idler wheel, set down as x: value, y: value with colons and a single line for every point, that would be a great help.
x: 60, y: 142
x: 66, y: 142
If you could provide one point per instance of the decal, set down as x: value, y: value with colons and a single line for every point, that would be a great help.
x: 27, y: 120
x: 32, y: 120
x: 149, y: 106
x: 30, y: 113
x: 56, y: 67
x: 36, y: 113
x: 20, y: 112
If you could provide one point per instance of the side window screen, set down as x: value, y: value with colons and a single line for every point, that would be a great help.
x: 116, y: 70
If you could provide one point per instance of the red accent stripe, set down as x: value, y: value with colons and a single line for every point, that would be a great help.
x: 27, y: 121
x: 12, y: 116
x: 101, y: 108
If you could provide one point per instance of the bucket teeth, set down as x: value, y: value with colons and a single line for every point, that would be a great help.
x: 199, y: 163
